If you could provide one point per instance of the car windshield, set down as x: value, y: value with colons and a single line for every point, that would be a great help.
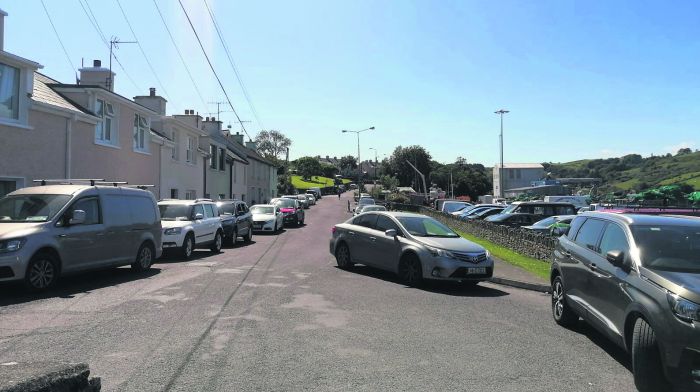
x: 425, y: 227
x: 174, y: 212
x: 31, y: 208
x: 669, y: 247
x: 452, y: 207
x: 262, y: 210
x: 285, y: 203
x: 510, y: 208
x: 227, y: 208
x: 546, y: 222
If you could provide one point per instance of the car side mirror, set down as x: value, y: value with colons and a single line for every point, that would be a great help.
x: 391, y: 233
x: 77, y: 218
x: 616, y: 258
x: 560, y: 231
x: 198, y: 216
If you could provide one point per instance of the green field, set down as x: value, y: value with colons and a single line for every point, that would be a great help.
x: 316, y: 182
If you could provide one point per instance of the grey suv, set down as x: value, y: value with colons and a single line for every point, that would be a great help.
x: 636, y: 278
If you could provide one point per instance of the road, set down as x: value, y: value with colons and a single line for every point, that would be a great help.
x: 278, y: 315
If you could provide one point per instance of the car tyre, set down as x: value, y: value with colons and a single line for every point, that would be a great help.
x: 646, y: 359
x: 249, y: 237
x: 562, y: 313
x: 42, y: 272
x: 342, y: 257
x: 218, y: 242
x: 144, y: 258
x: 188, y: 246
x: 411, y: 271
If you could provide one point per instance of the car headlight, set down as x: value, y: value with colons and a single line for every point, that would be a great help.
x: 488, y: 254
x: 682, y: 308
x: 12, y: 245
x: 440, y: 252
x: 173, y: 231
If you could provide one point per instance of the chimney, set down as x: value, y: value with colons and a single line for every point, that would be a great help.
x: 3, y: 14
x: 212, y: 126
x: 152, y: 101
x: 190, y: 118
x: 238, y: 138
x: 252, y: 145
x: 97, y: 76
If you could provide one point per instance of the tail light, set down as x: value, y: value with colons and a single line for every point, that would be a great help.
x: 333, y: 230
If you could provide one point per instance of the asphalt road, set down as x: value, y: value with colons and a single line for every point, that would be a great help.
x: 278, y: 315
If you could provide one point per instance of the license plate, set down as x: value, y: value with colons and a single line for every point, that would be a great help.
x: 476, y: 271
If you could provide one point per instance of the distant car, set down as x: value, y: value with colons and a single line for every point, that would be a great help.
x: 583, y: 209
x: 311, y: 198
x: 267, y: 217
x: 316, y: 191
x: 190, y: 224
x: 452, y: 206
x: 472, y: 212
x: 415, y: 247
x: 292, y: 210
x: 512, y: 220
x: 483, y: 214
x: 373, y: 207
x: 365, y: 201
x: 236, y: 220
x: 544, y: 226
x: 540, y: 209
x: 466, y: 209
x: 301, y: 198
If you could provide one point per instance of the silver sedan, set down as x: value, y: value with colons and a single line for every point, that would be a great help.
x: 415, y: 247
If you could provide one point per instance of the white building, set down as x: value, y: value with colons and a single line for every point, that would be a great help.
x: 515, y: 175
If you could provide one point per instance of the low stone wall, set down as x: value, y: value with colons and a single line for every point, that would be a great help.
x: 522, y: 241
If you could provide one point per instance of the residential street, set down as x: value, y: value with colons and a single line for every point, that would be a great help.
x: 278, y: 315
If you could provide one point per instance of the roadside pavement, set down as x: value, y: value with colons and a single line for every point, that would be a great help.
x: 510, y: 275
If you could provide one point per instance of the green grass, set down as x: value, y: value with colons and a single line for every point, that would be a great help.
x: 316, y: 181
x: 534, y: 266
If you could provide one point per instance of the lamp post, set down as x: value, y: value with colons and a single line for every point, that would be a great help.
x: 359, y: 166
x: 375, y: 162
x: 501, y: 112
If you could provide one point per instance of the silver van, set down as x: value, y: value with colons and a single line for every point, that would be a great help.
x: 51, y: 230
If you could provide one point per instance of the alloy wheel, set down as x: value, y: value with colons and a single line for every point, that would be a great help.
x: 188, y: 247
x: 42, y: 274
x: 558, y: 300
x: 146, y: 257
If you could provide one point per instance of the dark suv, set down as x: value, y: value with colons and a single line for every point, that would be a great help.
x: 236, y: 220
x: 636, y: 278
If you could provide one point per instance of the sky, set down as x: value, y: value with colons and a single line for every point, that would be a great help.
x: 581, y: 79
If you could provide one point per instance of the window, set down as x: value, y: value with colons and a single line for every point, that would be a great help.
x: 142, y: 210
x: 222, y: 196
x: 385, y: 223
x: 243, y: 197
x: 9, y: 92
x: 575, y: 226
x: 590, y: 232
x: 7, y: 186
x: 240, y: 208
x: 517, y: 174
x: 173, y: 193
x: 176, y: 148
x: 511, y: 173
x: 614, y: 238
x: 213, y: 151
x: 190, y: 150
x: 198, y: 209
x: 209, y: 211
x: 366, y: 220
x: 141, y: 133
x: 105, y: 131
x: 222, y: 159
x: 190, y: 195
x: 91, y: 206
x: 235, y: 175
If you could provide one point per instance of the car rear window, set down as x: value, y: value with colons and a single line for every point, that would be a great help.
x: 366, y: 220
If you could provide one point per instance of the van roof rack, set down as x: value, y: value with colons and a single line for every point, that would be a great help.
x: 203, y: 199
x: 141, y: 186
x: 70, y: 181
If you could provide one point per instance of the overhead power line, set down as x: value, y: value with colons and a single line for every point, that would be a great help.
x: 91, y: 17
x: 58, y: 36
x: 233, y: 66
x: 212, y: 68
x: 182, y: 59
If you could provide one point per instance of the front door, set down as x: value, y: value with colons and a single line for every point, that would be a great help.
x: 582, y: 253
x: 362, y: 248
x: 387, y: 249
x: 81, y: 246
x: 211, y: 220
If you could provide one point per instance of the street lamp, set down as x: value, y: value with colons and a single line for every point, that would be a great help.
x: 375, y: 161
x: 501, y: 112
x: 359, y: 168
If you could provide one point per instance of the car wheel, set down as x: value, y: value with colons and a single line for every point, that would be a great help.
x: 249, y: 237
x: 562, y: 313
x: 42, y: 272
x: 342, y: 257
x: 144, y: 258
x: 216, y: 246
x: 410, y: 271
x: 188, y: 246
x: 646, y: 360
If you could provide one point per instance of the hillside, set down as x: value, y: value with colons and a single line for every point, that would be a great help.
x: 316, y: 181
x: 632, y: 172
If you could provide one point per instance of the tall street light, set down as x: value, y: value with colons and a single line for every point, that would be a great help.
x: 375, y: 161
x: 501, y: 112
x: 359, y: 167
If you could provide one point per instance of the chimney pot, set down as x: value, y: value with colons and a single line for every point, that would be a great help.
x: 206, y: 119
x: 152, y: 91
x: 96, y: 63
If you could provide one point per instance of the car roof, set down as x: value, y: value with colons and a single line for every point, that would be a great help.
x: 263, y: 205
x: 644, y: 219
x: 71, y: 189
x: 549, y: 203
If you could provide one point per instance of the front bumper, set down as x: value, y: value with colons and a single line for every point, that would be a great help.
x: 292, y: 218
x: 445, y: 268
x: 12, y: 267
x: 173, y: 240
x: 264, y: 226
x: 681, y: 351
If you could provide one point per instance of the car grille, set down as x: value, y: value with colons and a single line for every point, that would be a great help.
x: 259, y: 223
x: 471, y: 257
x: 461, y: 272
x: 6, y: 272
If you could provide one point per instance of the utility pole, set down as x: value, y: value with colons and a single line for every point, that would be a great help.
x: 114, y: 43
x: 501, y: 112
x: 359, y: 166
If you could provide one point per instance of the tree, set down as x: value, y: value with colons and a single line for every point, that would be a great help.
x: 389, y: 182
x: 328, y: 170
x: 284, y: 185
x: 397, y: 165
x: 307, y: 167
x: 272, y: 144
x: 684, y: 151
x: 348, y: 162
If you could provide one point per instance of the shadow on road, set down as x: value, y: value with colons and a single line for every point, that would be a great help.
x: 448, y: 288
x: 612, y: 349
x: 14, y: 293
x: 172, y: 257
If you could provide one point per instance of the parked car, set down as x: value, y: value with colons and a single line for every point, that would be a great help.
x: 635, y: 278
x: 310, y: 198
x: 483, y: 214
x: 292, y: 210
x: 513, y: 220
x: 190, y: 224
x: 540, y: 208
x: 364, y: 202
x: 452, y: 206
x: 472, y: 212
x: 466, y: 210
x: 301, y: 198
x: 54, y: 230
x: 316, y: 191
x: 267, y: 217
x: 544, y: 226
x: 373, y: 207
x: 415, y: 247
x: 236, y: 220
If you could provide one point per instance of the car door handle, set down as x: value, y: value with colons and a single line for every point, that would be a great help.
x: 567, y: 254
x: 351, y: 232
x: 593, y: 267
x: 62, y: 235
x: 372, y: 239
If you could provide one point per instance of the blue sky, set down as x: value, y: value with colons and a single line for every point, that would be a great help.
x: 581, y: 79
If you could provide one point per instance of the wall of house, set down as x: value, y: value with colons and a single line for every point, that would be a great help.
x: 177, y: 173
x: 258, y: 182
x: 218, y: 182
x: 240, y: 187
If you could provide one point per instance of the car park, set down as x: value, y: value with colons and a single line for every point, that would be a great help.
x: 513, y: 220
x: 635, y: 279
x: 267, y: 217
x: 236, y: 220
x: 415, y: 247
x: 53, y: 230
x: 545, y: 226
x: 190, y: 224
x: 292, y: 210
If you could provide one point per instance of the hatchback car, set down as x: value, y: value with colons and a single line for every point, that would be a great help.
x: 267, y: 217
x: 415, y: 247
x: 636, y: 278
x: 292, y: 211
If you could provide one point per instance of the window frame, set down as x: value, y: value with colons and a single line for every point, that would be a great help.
x: 213, y: 150
x: 16, y: 97
x: 71, y: 208
x: 222, y: 159
x: 596, y: 245
x: 624, y: 233
x: 141, y: 133
x: 189, y: 151
x: 106, y: 125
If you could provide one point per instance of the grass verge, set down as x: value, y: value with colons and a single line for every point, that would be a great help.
x: 316, y: 181
x: 534, y: 266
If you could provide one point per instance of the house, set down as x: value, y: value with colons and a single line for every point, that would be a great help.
x: 515, y: 175
x: 225, y: 175
x: 261, y: 175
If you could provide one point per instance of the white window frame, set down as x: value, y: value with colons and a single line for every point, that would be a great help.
x: 142, y: 133
x: 222, y: 159
x: 106, y: 131
x: 16, y: 94
x: 176, y: 148
x: 189, y: 154
x: 190, y: 194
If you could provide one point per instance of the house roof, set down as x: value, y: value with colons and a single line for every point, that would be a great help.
x: 161, y: 134
x: 43, y: 93
x: 231, y: 146
x: 521, y: 166
x: 58, y: 85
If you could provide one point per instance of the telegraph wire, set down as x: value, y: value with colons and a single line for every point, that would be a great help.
x: 182, y: 59
x: 212, y: 67
x: 233, y: 66
x: 58, y: 36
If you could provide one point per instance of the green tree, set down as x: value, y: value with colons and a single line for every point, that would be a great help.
x: 284, y: 185
x: 307, y: 167
x: 397, y: 165
x: 389, y: 182
x: 328, y: 170
x: 272, y: 144
x: 684, y: 151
